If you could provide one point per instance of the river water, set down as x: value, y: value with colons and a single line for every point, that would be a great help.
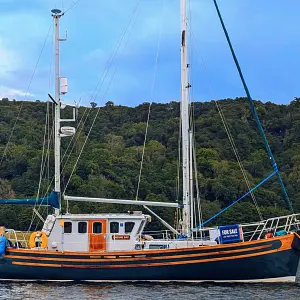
x: 133, y: 291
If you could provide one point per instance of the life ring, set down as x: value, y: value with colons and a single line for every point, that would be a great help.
x: 44, y: 240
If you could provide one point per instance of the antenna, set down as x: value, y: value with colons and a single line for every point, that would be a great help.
x: 56, y: 12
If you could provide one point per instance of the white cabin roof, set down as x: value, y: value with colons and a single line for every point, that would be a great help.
x: 103, y: 216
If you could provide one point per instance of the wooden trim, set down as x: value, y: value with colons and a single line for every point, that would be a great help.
x: 135, y: 258
x: 36, y: 265
x: 145, y: 264
x: 285, y: 240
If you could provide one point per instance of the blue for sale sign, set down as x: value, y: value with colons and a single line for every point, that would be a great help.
x: 229, y: 233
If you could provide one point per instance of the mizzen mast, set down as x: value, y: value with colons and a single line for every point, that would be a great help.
x: 56, y: 14
x: 185, y: 119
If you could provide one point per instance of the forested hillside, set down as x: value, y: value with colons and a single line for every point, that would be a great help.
x: 110, y: 162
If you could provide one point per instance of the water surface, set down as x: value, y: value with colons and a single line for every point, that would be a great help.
x: 134, y: 291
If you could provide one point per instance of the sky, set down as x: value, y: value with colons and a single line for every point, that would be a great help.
x: 128, y: 51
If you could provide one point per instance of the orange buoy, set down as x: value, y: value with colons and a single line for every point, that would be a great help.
x: 44, y: 239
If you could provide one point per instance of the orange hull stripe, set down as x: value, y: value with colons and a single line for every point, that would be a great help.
x: 144, y: 264
x: 285, y: 240
x: 136, y: 258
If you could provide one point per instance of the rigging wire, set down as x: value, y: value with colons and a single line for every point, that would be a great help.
x: 26, y: 94
x: 51, y: 84
x: 179, y: 216
x: 71, y: 6
x: 193, y: 129
x: 143, y: 153
x: 96, y: 95
x: 151, y: 100
x: 43, y: 160
x: 98, y: 86
x: 46, y: 162
x: 36, y: 210
x: 253, y: 110
x: 200, y: 217
x: 228, y: 132
x: 89, y: 132
x: 42, y: 165
x: 102, y: 79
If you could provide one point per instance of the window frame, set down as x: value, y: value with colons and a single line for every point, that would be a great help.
x: 132, y: 224
x: 93, y: 229
x: 112, y: 224
x: 78, y: 224
x: 68, y: 222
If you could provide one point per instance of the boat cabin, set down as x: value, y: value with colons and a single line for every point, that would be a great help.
x: 98, y: 232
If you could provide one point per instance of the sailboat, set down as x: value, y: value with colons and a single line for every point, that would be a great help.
x: 112, y: 247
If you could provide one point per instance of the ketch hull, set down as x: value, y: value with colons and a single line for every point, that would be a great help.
x: 274, y: 259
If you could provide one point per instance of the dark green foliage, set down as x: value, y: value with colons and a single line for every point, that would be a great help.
x: 109, y: 165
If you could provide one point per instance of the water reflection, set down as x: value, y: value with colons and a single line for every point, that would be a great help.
x: 137, y: 291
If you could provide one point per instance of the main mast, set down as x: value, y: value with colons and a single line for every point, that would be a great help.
x: 185, y: 119
x: 56, y: 14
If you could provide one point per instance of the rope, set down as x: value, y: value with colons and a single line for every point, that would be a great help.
x: 151, y: 99
x: 26, y: 94
x: 254, y: 112
x: 242, y: 197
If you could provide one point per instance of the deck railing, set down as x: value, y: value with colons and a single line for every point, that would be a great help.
x: 19, y: 239
x: 251, y: 231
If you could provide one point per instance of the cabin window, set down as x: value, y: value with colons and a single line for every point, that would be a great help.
x: 67, y: 227
x: 129, y: 226
x: 82, y: 227
x: 97, y: 227
x: 114, y: 227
